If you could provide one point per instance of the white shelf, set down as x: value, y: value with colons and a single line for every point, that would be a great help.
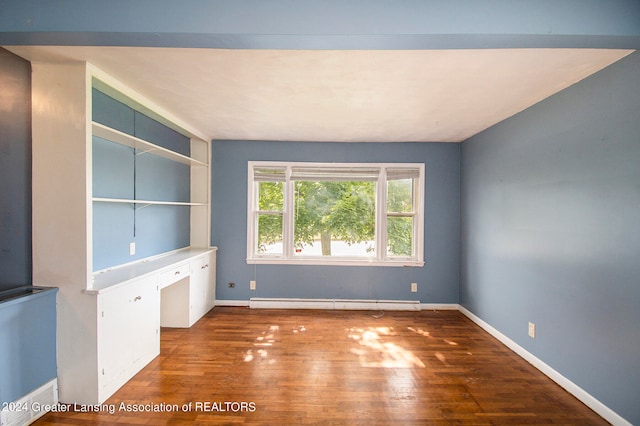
x: 147, y: 202
x: 121, y: 138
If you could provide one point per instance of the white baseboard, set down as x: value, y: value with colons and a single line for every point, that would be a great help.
x: 591, y: 402
x: 332, y: 304
x: 30, y: 407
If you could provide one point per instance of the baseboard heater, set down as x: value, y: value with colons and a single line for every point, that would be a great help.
x: 31, y: 407
x: 339, y: 304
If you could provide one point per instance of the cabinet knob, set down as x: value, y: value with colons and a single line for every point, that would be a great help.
x: 137, y: 298
x: 204, y: 266
x: 176, y: 273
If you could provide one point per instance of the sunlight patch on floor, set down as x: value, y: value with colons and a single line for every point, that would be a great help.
x: 420, y: 332
x: 267, y: 339
x: 375, y: 350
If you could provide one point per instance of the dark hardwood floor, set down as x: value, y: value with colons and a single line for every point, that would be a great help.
x: 335, y: 367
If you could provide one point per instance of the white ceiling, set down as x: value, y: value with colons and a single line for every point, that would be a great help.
x: 345, y: 95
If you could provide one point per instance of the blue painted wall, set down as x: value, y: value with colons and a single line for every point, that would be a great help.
x: 27, y: 344
x: 437, y: 280
x: 15, y: 171
x: 551, y: 232
x: 329, y: 24
x: 120, y: 172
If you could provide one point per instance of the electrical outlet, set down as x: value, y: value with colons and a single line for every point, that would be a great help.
x: 132, y: 249
x: 532, y: 330
x: 252, y: 285
x: 414, y: 287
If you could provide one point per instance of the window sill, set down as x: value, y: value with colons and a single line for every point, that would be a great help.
x: 335, y: 262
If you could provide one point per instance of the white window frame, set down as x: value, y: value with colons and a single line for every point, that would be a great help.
x: 379, y: 259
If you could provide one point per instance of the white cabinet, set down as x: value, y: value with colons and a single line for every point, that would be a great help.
x: 128, y: 332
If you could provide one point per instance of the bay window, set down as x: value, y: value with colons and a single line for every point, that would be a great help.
x: 335, y: 213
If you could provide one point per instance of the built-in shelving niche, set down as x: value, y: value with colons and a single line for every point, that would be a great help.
x: 141, y: 164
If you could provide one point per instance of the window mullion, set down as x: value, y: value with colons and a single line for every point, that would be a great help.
x: 256, y: 214
x: 287, y: 216
x: 418, y: 218
x: 381, y: 216
x: 252, y: 215
x: 414, y: 239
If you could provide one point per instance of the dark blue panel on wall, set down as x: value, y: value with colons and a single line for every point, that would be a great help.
x: 159, y: 134
x: 112, y: 113
x: 113, y: 170
x: 15, y: 171
x: 161, y: 228
x: 160, y: 179
x: 329, y: 24
x: 115, y: 114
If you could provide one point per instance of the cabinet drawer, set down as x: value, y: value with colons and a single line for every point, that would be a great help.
x: 200, y: 264
x: 174, y: 274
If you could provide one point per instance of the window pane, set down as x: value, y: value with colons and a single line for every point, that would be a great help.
x: 269, y: 234
x: 400, y: 196
x: 270, y: 196
x: 400, y: 236
x: 334, y: 218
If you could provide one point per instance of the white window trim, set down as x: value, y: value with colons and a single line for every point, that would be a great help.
x: 381, y: 259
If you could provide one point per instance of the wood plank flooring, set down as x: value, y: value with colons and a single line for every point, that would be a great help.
x: 270, y: 367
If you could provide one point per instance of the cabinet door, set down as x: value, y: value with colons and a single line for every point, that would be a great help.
x: 200, y: 287
x: 199, y: 267
x: 128, y: 332
x: 210, y: 290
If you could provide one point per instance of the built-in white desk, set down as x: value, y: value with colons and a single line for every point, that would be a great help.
x: 133, y: 301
